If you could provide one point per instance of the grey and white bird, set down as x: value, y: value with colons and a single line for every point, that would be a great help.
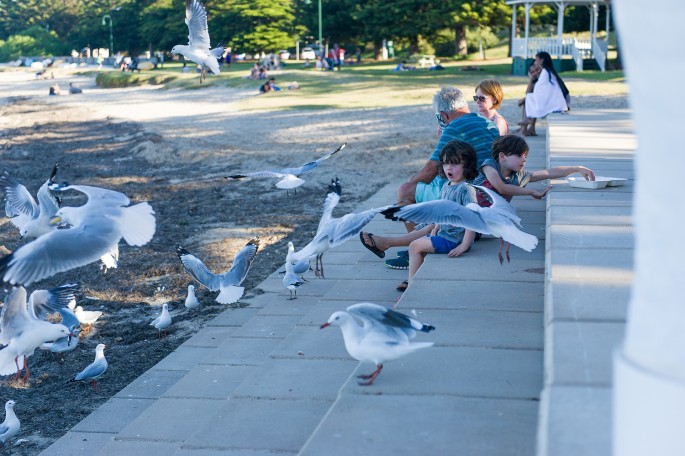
x: 85, y: 317
x: 333, y: 231
x: 163, y: 320
x: 499, y: 219
x: 94, y: 370
x: 228, y: 283
x: 382, y: 336
x: 96, y: 229
x: 11, y: 426
x: 191, y: 301
x: 67, y: 343
x: 23, y: 334
x: 31, y: 217
x: 288, y: 176
x: 291, y: 280
x: 198, y: 47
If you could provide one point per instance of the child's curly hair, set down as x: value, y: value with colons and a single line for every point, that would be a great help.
x: 509, y: 145
x: 456, y: 152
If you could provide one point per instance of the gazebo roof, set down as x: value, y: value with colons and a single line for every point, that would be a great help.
x: 567, y: 2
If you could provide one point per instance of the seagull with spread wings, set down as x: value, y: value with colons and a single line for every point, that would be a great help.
x: 288, y: 176
x: 227, y: 283
x: 198, y: 49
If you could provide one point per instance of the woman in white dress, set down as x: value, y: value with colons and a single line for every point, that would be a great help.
x: 549, y: 94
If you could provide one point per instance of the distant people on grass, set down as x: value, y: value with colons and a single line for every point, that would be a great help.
x: 488, y: 98
x: 505, y: 172
x: 545, y: 94
x: 73, y: 89
x: 457, y: 165
x: 228, y: 59
x: 54, y: 89
x: 184, y: 68
x: 269, y: 86
x: 402, y: 66
x: 455, y: 121
x: 358, y: 54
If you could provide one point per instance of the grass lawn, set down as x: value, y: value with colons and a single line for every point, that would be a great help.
x: 369, y: 85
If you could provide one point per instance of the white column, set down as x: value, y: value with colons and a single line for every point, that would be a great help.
x: 608, y: 22
x: 561, y: 6
x: 649, y: 377
x: 527, y: 9
x: 513, y: 28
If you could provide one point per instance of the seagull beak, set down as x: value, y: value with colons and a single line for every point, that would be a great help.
x: 56, y: 220
x: 325, y: 325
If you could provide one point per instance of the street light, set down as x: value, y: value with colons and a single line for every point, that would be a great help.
x: 111, y: 41
x: 320, y: 40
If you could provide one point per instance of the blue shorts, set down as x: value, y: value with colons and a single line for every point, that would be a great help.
x: 442, y: 245
x: 431, y: 191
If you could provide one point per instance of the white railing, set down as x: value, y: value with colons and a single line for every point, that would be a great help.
x: 599, y: 51
x: 577, y: 57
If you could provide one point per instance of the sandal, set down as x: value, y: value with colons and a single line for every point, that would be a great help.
x: 376, y: 251
x: 403, y: 286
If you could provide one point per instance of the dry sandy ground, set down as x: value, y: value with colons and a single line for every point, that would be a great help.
x: 172, y: 149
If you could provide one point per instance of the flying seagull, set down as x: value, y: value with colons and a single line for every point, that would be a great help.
x: 499, y: 220
x: 198, y: 49
x: 227, y: 283
x: 383, y: 336
x: 288, y: 176
x: 96, y: 229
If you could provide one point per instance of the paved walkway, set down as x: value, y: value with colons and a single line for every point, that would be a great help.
x: 265, y: 379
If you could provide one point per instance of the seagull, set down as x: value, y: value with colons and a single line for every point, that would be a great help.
x: 191, y: 299
x: 24, y: 334
x: 10, y: 427
x: 499, y: 220
x: 96, y: 228
x: 228, y: 282
x: 383, y: 336
x: 291, y: 280
x: 333, y: 231
x: 32, y: 219
x: 163, y: 321
x: 68, y: 343
x: 198, y: 49
x: 95, y: 369
x: 85, y: 317
x: 288, y: 176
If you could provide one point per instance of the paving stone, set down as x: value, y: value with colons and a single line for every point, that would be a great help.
x: 210, y: 381
x: 112, y: 416
x: 269, y: 326
x: 119, y: 447
x: 241, y: 350
x: 183, y: 358
x: 590, y: 236
x: 211, y: 336
x: 234, y: 317
x: 73, y: 443
x: 151, y: 385
x: 588, y: 266
x: 312, y: 343
x: 606, y: 215
x: 587, y: 301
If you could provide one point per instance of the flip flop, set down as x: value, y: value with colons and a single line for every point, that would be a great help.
x: 376, y: 251
x: 403, y: 286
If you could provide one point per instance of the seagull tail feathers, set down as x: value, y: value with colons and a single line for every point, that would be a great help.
x: 523, y: 240
x: 230, y: 294
x: 7, y: 366
x: 138, y: 224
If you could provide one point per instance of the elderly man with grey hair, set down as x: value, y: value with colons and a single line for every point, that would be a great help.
x: 456, y: 122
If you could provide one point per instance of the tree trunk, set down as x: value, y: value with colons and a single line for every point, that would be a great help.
x: 414, y: 45
x: 460, y: 40
x: 378, y: 50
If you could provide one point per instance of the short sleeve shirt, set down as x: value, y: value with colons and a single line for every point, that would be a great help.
x: 463, y: 194
x: 473, y: 129
x: 520, y: 179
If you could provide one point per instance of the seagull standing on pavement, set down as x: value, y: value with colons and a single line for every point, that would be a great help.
x: 227, y: 283
x: 383, y: 336
x: 288, y: 176
x: 95, y: 369
x: 191, y: 300
x: 10, y: 427
x: 500, y: 219
x: 291, y: 280
x: 198, y: 49
x: 163, y: 321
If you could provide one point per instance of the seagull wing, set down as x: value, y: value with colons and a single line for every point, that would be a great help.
x: 94, y: 370
x: 388, y: 318
x: 257, y: 175
x: 44, y: 302
x: 500, y: 205
x: 313, y: 164
x: 196, y: 20
x: 329, y: 204
x: 14, y: 315
x: 350, y: 225
x: 19, y: 201
x: 241, y: 264
x: 48, y: 203
x: 441, y: 212
x: 198, y: 270
x: 69, y: 319
x: 102, y: 196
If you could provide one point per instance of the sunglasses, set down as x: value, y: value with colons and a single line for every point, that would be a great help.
x: 481, y: 98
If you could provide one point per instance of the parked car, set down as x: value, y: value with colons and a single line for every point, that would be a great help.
x: 308, y: 54
x: 285, y: 55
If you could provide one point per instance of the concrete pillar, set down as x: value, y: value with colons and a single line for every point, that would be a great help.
x: 608, y: 22
x: 561, y: 6
x: 649, y: 376
x: 513, y: 27
x: 527, y: 9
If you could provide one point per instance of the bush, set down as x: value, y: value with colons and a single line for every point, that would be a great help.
x: 34, y: 41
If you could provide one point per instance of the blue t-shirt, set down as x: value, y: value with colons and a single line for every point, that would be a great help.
x: 463, y: 194
x: 520, y: 179
x: 473, y: 129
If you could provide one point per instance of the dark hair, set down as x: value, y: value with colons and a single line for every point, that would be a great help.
x: 459, y: 152
x: 549, y: 66
x: 509, y: 145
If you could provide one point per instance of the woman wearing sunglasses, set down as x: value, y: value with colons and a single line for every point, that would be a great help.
x: 488, y: 98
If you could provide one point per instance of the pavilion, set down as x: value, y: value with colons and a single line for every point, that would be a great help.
x: 585, y: 54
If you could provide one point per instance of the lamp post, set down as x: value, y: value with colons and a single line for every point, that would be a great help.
x: 111, y: 41
x: 320, y: 39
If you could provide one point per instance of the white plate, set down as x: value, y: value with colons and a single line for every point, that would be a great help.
x: 613, y: 181
x: 580, y: 182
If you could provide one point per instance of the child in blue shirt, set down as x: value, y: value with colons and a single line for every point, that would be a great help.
x: 505, y: 173
x: 457, y: 165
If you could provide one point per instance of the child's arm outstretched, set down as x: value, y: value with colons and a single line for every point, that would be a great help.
x: 509, y: 189
x: 562, y: 171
